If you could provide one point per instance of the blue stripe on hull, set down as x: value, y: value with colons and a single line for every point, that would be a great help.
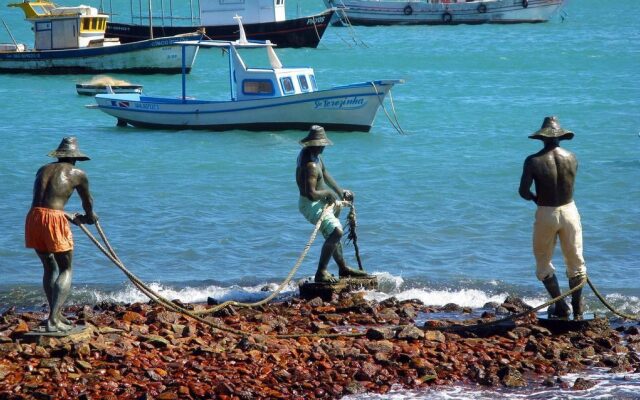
x: 201, y: 112
x: 261, y: 126
x: 62, y: 70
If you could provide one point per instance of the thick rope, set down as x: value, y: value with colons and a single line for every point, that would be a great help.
x: 154, y: 296
x: 513, y: 316
x: 110, y: 253
x: 352, y: 236
x: 609, y: 306
x: 391, y: 121
x: 287, y: 280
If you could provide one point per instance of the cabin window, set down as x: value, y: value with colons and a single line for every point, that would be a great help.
x: 312, y: 78
x: 39, y: 10
x: 260, y: 87
x: 86, y: 24
x: 287, y: 85
x: 279, y: 2
x: 304, y: 85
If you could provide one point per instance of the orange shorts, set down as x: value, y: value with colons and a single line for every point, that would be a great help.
x: 47, y: 231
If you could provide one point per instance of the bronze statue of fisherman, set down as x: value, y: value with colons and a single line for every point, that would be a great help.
x: 553, y: 171
x: 47, y: 228
x: 318, y: 188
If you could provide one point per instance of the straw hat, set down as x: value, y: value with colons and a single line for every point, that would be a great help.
x: 551, y: 129
x: 316, y: 137
x: 68, y: 148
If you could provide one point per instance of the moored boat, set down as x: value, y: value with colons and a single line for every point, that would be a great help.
x: 263, y: 20
x: 273, y: 98
x: 106, y: 84
x: 71, y: 40
x: 442, y: 12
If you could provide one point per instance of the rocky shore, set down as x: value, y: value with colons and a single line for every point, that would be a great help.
x: 142, y: 351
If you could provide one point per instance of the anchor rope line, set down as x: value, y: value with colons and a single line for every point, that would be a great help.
x: 513, y: 316
x: 345, y: 21
x: 154, y: 296
x: 381, y: 101
x: 352, y: 236
x: 609, y: 306
x: 289, y: 277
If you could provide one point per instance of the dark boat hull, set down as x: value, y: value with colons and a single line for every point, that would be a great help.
x: 300, y: 32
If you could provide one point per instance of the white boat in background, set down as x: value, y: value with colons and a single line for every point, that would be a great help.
x: 442, y: 12
x: 71, y: 40
x: 274, y: 98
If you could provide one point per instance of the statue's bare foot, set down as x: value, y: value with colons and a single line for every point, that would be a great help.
x: 57, y: 326
x: 352, y: 273
x: 325, y: 277
x: 65, y: 321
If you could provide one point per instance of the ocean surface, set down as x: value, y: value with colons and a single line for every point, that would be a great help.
x: 201, y: 214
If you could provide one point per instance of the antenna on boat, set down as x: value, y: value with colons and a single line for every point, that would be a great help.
x: 243, y: 35
x: 9, y: 32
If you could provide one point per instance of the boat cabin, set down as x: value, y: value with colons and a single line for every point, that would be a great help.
x: 255, y: 83
x: 59, y: 28
x: 220, y: 12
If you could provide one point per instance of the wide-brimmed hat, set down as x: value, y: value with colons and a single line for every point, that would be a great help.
x: 316, y: 137
x: 68, y: 148
x: 551, y: 129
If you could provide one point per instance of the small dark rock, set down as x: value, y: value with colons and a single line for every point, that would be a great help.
x: 584, y: 384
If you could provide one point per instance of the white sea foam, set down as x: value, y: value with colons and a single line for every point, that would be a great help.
x: 609, y: 386
x: 189, y: 294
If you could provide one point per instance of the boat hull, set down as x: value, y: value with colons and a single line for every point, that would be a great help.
x: 300, y: 32
x: 347, y: 108
x: 369, y: 12
x: 160, y: 55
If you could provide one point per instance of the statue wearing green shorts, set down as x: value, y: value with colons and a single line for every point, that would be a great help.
x: 317, y: 189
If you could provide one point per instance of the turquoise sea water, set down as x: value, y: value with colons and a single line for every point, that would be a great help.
x: 202, y: 214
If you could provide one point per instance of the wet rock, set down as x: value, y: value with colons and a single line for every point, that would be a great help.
x: 380, y: 333
x: 511, y: 377
x: 434, y: 336
x: 452, y: 307
x: 316, y: 302
x: 584, y: 384
x: 155, y: 340
x: 410, y: 332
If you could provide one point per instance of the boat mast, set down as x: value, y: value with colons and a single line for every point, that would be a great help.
x: 150, y: 20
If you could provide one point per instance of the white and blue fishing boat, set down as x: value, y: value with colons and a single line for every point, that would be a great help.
x: 274, y: 98
x: 442, y: 12
x: 72, y: 40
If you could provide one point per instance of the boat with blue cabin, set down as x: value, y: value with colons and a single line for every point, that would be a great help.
x: 271, y: 98
x: 72, y: 40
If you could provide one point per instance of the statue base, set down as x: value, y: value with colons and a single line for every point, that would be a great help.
x: 41, y: 336
x: 560, y: 326
x: 310, y: 289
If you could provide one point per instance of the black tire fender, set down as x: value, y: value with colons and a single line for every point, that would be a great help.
x: 447, y: 17
x: 482, y: 8
x: 525, y: 3
x: 407, y: 10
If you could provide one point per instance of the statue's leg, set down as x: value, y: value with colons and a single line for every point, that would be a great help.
x: 328, y: 250
x: 343, y: 268
x: 50, y: 273
x: 49, y: 277
x: 61, y: 289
